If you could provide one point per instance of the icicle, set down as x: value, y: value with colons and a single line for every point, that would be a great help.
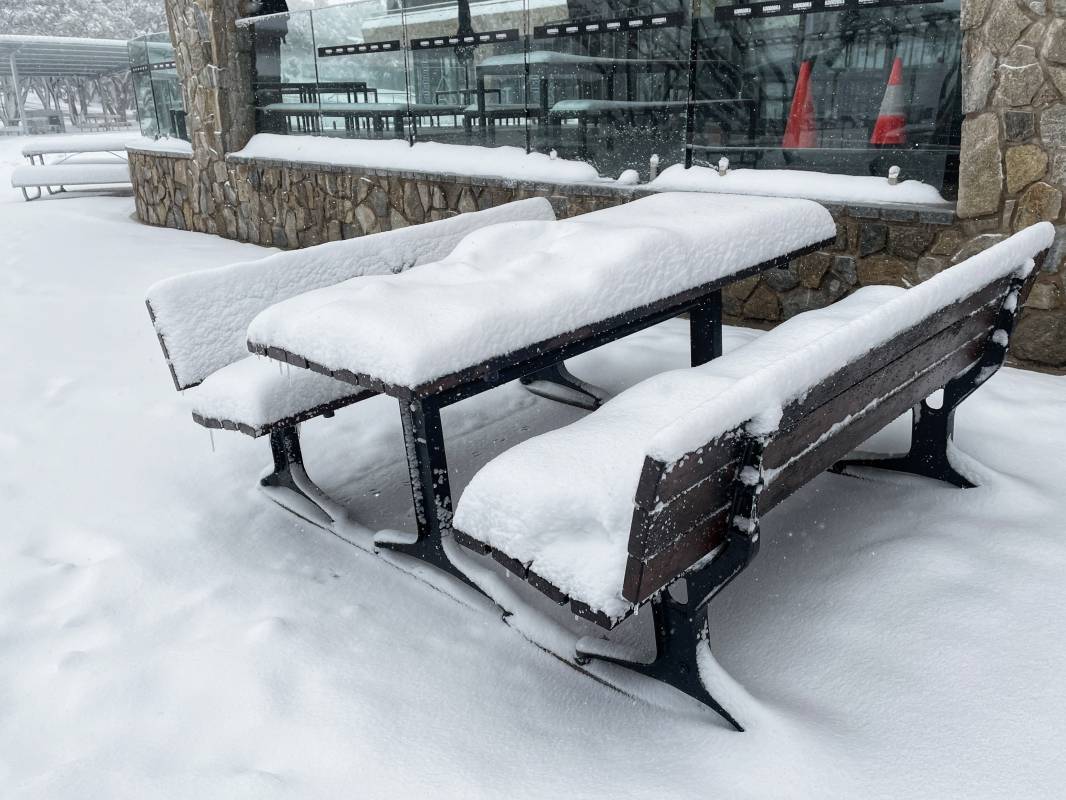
x: 211, y: 436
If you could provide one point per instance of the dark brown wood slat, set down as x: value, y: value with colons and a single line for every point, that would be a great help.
x: 470, y: 543
x: 690, y: 547
x: 823, y: 456
x: 694, y: 467
x: 657, y: 530
x: 815, y: 422
x: 850, y: 374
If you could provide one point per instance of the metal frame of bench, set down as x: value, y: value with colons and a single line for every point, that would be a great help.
x: 420, y: 406
x: 696, y: 520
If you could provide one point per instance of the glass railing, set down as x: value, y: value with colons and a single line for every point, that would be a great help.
x: 156, y: 89
x: 842, y: 86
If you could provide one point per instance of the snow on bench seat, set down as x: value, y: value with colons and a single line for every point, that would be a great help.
x: 69, y: 174
x: 562, y: 502
x: 103, y: 143
x: 507, y: 287
x: 255, y: 394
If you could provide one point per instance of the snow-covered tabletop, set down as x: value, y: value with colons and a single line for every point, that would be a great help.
x: 518, y: 284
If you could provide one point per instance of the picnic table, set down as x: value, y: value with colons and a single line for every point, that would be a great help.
x: 514, y: 300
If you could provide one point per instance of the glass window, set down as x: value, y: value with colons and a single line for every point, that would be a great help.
x: 157, y: 92
x: 285, y: 77
x: 612, y: 80
x: 362, y: 70
x: 468, y: 71
x: 852, y: 90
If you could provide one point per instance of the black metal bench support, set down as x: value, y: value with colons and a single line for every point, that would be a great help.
x: 932, y: 428
x: 427, y: 464
x: 558, y: 383
x: 705, y: 329
x: 289, y: 474
x: 681, y: 626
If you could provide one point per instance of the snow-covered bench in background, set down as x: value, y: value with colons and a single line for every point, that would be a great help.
x: 687, y: 460
x: 201, y: 320
x: 73, y: 169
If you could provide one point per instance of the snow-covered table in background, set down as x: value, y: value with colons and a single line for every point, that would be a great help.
x: 110, y: 167
x: 518, y: 298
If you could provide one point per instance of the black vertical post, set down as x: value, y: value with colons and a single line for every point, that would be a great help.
x: 705, y: 329
x: 424, y: 439
x: 430, y: 488
x: 690, y: 109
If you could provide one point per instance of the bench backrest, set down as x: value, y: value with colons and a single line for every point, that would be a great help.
x: 202, y: 318
x: 815, y: 406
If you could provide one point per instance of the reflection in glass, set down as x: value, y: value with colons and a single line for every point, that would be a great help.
x: 614, y: 82
x: 157, y: 92
x: 815, y: 86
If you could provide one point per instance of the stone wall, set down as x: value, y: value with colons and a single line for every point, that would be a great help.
x: 1013, y: 170
x: 292, y: 205
x: 1013, y: 173
x: 213, y: 60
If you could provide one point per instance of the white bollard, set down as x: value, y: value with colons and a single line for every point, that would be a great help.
x: 653, y: 166
x: 893, y: 175
x: 723, y: 166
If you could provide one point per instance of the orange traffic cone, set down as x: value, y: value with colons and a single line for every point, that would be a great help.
x: 801, y: 130
x: 891, y: 127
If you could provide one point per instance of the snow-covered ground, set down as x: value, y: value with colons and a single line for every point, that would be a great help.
x: 166, y: 632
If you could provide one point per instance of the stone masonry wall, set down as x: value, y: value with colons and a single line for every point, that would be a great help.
x: 290, y: 205
x: 1013, y: 173
x: 1013, y: 170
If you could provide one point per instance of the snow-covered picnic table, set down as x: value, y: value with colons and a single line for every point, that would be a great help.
x: 515, y: 299
x: 73, y: 169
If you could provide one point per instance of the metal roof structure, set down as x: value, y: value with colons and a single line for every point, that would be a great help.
x: 58, y: 56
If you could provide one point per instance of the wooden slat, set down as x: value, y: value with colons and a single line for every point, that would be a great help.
x: 696, y: 466
x: 815, y: 422
x: 824, y: 455
x: 690, y: 547
x: 656, y: 530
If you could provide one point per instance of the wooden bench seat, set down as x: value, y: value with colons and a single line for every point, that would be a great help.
x: 670, y: 489
x: 571, y: 531
x: 201, y: 321
x: 254, y: 396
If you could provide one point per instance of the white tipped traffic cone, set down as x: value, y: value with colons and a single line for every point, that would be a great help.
x: 891, y: 127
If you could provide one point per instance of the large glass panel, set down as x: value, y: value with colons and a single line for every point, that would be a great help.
x: 844, y: 89
x: 166, y: 90
x: 284, y: 73
x: 362, y: 71
x: 611, y: 77
x: 455, y: 98
x: 140, y: 71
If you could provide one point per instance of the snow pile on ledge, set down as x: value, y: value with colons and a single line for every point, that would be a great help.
x: 511, y: 286
x: 761, y: 396
x: 455, y: 159
x: 822, y: 186
x: 166, y: 144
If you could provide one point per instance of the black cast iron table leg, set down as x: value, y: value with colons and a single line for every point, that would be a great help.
x: 705, y: 329
x: 430, y: 488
